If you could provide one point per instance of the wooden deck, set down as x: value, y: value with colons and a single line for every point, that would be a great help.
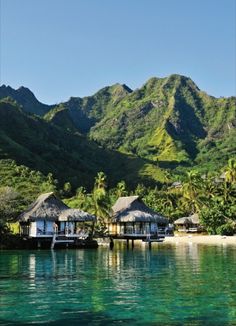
x: 147, y: 238
x: 136, y: 236
x: 51, y: 235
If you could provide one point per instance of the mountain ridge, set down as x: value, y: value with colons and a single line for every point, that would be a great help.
x: 33, y: 142
x: 26, y: 98
x: 167, y: 122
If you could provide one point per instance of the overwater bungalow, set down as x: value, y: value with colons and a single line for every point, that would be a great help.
x: 131, y: 218
x: 188, y: 224
x: 48, y: 216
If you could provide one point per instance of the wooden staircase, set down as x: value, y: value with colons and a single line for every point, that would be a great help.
x: 59, y: 239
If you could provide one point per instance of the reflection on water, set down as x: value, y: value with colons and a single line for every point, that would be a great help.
x: 182, y: 284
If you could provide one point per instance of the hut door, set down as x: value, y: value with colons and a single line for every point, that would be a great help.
x: 49, y: 227
x: 33, y: 229
x: 70, y: 227
x: 62, y: 227
x: 40, y: 227
x: 153, y: 228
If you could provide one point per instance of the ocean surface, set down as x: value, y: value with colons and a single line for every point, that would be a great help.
x: 181, y: 284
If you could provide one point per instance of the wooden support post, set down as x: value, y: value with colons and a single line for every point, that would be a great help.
x: 132, y: 243
x: 111, y: 243
x: 127, y: 241
x: 150, y: 245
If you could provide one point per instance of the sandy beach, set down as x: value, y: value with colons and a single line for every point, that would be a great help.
x: 204, y: 239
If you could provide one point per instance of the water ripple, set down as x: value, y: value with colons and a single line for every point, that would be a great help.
x: 170, y: 285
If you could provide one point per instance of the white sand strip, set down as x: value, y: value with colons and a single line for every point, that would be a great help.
x: 204, y: 239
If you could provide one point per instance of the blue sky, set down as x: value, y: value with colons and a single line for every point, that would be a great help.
x: 63, y: 48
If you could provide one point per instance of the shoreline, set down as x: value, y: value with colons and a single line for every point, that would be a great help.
x: 202, y: 239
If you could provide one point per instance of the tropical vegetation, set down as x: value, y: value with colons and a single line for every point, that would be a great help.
x: 168, y: 142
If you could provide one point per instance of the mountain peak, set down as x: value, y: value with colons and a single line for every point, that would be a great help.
x: 171, y: 81
x: 26, y: 92
x: 120, y: 90
x: 24, y: 89
x: 24, y: 97
x: 176, y: 81
x: 124, y: 87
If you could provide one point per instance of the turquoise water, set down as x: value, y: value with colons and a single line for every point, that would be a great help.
x: 170, y: 285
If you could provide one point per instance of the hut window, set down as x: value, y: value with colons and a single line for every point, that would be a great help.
x: 147, y: 228
x: 129, y: 228
x: 137, y: 227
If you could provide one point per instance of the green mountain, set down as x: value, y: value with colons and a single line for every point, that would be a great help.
x: 39, y: 145
x: 168, y: 119
x: 131, y: 135
x: 83, y: 113
x: 25, y: 98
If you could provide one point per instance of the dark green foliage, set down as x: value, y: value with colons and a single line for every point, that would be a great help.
x: 24, y: 180
x: 213, y: 218
x: 59, y: 116
x: 227, y: 229
x: 10, y: 205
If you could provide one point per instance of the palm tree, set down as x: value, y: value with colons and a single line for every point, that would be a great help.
x: 230, y: 171
x: 98, y: 202
x: 210, y: 189
x: 167, y: 202
x: 100, y: 182
x: 192, y: 192
x: 227, y: 189
x: 121, y: 189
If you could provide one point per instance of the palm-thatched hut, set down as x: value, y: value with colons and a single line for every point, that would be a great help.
x: 70, y: 221
x: 48, y: 215
x: 189, y: 224
x: 131, y: 217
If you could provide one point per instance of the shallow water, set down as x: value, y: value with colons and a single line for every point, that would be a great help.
x: 184, y: 284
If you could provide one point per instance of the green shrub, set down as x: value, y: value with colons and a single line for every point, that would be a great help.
x: 226, y: 229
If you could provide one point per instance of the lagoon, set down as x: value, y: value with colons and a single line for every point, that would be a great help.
x: 173, y: 284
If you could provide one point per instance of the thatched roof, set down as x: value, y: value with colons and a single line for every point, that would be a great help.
x: 75, y: 215
x: 49, y: 207
x: 123, y: 203
x: 193, y: 219
x: 132, y: 209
